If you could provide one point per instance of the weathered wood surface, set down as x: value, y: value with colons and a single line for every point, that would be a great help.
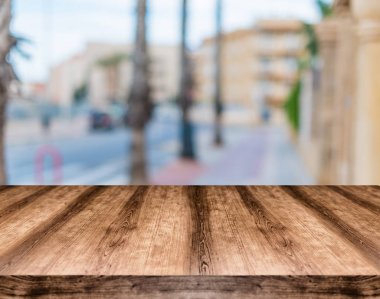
x: 190, y: 230
x: 169, y: 287
x: 263, y: 236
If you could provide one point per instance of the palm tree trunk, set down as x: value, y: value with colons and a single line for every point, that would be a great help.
x: 3, y: 102
x: 139, y: 174
x: 186, y: 86
x: 6, y: 44
x: 140, y: 104
x: 218, y: 140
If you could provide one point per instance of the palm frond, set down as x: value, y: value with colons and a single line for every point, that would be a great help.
x: 325, y: 9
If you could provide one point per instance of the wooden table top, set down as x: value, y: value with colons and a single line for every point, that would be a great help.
x: 173, y: 230
x: 190, y: 231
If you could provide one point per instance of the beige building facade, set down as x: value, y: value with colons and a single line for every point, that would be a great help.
x: 280, y: 45
x: 238, y: 74
x: 105, y: 70
x: 259, y: 64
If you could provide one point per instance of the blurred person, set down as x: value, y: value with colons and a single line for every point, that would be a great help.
x: 266, y: 114
x: 46, y: 121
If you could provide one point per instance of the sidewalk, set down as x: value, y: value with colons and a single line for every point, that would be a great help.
x: 260, y: 156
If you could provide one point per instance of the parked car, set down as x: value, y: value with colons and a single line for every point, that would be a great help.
x: 101, y: 121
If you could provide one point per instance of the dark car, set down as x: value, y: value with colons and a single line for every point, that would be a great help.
x: 101, y: 121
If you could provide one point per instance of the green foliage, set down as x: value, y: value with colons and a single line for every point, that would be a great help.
x: 292, y: 106
x: 325, y: 8
x: 81, y: 93
x: 113, y: 61
x: 312, y: 46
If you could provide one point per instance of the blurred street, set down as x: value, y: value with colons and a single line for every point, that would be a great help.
x: 270, y: 95
x: 252, y: 155
x: 87, y: 157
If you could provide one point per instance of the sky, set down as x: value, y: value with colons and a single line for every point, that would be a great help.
x: 59, y: 29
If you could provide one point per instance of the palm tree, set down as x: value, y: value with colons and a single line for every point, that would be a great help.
x: 6, y: 74
x: 218, y: 74
x: 325, y: 8
x: 186, y: 86
x: 140, y: 103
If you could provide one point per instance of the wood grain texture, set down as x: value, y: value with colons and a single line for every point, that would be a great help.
x: 190, y: 287
x: 201, y: 246
x: 189, y: 230
x: 362, y: 230
x: 250, y: 234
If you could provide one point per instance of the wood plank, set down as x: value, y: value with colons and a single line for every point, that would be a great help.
x: 13, y: 199
x: 201, y: 242
x: 170, y: 234
x: 224, y: 287
x: 154, y: 246
x: 192, y: 230
x: 67, y: 251
x: 350, y: 221
x: 46, y: 216
x: 253, y: 238
x: 22, y: 222
x: 366, y: 196
x: 312, y: 241
x: 231, y: 241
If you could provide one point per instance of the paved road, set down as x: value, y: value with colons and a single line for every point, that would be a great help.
x: 97, y: 158
x: 261, y: 155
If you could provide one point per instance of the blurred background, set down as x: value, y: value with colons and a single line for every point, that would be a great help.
x: 218, y: 92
